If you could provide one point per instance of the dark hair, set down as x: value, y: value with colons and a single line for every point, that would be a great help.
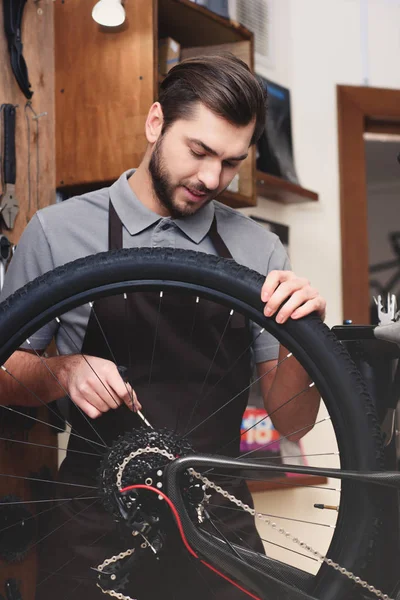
x: 223, y: 83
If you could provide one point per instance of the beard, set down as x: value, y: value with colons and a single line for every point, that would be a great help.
x: 164, y: 190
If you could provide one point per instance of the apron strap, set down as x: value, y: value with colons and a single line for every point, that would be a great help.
x: 217, y: 240
x: 114, y: 229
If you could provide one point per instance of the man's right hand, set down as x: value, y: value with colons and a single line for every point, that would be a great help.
x: 94, y: 384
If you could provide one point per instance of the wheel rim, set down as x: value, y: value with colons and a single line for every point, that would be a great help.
x: 320, y: 584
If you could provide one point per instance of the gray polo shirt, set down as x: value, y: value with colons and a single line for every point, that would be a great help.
x: 79, y: 226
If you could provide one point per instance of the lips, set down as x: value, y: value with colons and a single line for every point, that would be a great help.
x: 196, y: 193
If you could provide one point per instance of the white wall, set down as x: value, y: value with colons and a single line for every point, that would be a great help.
x: 319, y: 45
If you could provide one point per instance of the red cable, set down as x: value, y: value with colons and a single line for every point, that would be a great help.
x: 182, y: 533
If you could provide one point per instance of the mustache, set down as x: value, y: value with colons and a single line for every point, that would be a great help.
x: 201, y: 189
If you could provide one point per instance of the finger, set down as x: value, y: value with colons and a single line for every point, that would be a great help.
x: 309, y: 307
x: 91, y: 411
x: 86, y: 392
x: 103, y: 390
x: 133, y: 403
x: 296, y: 300
x: 283, y: 292
x: 273, y: 279
x: 124, y: 391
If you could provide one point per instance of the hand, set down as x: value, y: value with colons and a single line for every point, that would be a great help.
x: 302, y: 299
x: 96, y: 388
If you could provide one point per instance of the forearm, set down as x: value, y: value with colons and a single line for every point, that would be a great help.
x: 289, y: 399
x: 30, y: 380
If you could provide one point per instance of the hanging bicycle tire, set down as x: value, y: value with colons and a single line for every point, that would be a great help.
x: 349, y: 407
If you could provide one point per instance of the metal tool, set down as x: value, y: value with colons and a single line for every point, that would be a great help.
x: 389, y: 313
x: 9, y: 205
x: 123, y: 371
x: 6, y: 249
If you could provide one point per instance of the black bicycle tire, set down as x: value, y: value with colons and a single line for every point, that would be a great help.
x: 348, y: 402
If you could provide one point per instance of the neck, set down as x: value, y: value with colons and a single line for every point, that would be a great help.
x: 141, y: 185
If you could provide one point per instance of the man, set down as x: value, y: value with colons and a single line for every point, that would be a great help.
x: 210, y: 111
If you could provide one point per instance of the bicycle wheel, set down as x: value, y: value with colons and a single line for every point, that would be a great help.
x: 349, y: 411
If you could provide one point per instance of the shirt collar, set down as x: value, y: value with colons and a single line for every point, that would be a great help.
x: 136, y: 217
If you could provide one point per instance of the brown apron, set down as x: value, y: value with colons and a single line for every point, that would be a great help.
x: 171, y: 374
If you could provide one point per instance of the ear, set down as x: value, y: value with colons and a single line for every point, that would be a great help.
x: 154, y: 123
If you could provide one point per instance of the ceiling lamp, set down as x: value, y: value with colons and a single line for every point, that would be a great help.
x: 110, y: 13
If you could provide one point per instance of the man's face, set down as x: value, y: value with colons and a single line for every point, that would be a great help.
x: 196, y: 159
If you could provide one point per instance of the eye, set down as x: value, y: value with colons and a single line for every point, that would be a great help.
x: 229, y: 165
x: 193, y: 153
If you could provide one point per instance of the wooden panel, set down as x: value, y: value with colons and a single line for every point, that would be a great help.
x: 38, y: 42
x: 194, y: 25
x: 353, y: 194
x: 356, y: 107
x: 105, y: 85
x: 280, y: 190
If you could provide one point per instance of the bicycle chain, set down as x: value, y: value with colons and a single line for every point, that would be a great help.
x: 211, y: 485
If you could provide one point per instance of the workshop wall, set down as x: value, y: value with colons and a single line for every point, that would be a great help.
x: 37, y: 189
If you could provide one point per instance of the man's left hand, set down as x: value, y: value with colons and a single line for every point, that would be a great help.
x: 293, y: 294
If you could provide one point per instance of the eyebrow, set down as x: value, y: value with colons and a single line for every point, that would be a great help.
x: 214, y: 152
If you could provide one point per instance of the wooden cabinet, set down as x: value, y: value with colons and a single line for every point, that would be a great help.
x: 106, y: 81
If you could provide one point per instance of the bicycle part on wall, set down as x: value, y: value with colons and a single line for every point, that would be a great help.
x: 391, y: 285
x: 9, y: 205
x: 348, y: 414
x: 13, y: 11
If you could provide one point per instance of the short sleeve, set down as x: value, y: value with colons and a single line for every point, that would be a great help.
x: 265, y: 346
x: 32, y: 258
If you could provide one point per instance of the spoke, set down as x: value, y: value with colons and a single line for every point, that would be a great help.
x: 236, y: 533
x: 236, y: 396
x: 281, y: 457
x: 127, y: 319
x: 268, y: 416
x: 43, y: 361
x: 108, y: 346
x: 59, y: 527
x: 45, y: 446
x: 75, y: 588
x: 310, y: 426
x: 42, y: 512
x: 91, y: 487
x: 79, y: 351
x: 91, y: 442
x: 153, y: 353
x: 206, y: 379
x: 182, y: 402
x: 46, y: 404
x: 44, y: 501
x: 234, y: 363
x: 222, y: 536
x: 278, y: 517
x: 68, y: 562
x: 233, y: 531
x: 217, y: 350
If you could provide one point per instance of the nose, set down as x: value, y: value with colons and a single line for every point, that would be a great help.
x: 209, y: 175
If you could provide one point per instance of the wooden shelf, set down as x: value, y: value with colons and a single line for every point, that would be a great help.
x: 284, y: 483
x: 195, y: 25
x: 280, y: 190
x: 236, y: 200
